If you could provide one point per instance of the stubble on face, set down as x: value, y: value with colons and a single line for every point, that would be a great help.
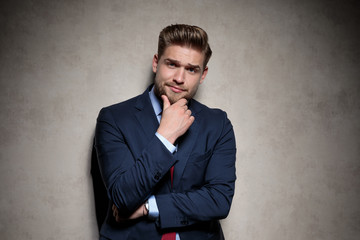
x: 160, y: 89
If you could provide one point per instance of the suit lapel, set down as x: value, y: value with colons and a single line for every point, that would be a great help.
x: 186, y: 144
x: 145, y: 115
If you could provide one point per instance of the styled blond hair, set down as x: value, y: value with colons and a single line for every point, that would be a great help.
x: 185, y: 35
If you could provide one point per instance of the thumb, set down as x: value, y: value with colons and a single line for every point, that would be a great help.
x: 166, y: 102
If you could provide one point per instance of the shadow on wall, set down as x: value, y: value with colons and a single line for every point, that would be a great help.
x: 100, y: 193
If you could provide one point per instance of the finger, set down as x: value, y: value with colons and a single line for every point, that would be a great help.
x: 191, y: 120
x: 188, y: 112
x: 166, y: 102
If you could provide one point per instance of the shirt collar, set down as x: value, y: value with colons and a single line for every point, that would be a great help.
x: 155, y: 102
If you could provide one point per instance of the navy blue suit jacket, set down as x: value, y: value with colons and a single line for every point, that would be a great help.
x: 134, y: 165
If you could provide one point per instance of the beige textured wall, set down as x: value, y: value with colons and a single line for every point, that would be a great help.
x: 287, y: 73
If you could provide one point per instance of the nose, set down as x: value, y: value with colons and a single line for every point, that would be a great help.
x: 179, y: 76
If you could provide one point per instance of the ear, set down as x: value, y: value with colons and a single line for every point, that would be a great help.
x: 203, y: 75
x: 155, y: 63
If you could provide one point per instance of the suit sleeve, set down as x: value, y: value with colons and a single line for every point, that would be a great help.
x: 129, y: 181
x: 212, y: 200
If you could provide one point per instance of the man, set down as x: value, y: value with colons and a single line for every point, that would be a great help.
x: 167, y: 161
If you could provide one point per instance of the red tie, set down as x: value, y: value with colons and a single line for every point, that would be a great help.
x: 172, y: 235
x: 169, y: 236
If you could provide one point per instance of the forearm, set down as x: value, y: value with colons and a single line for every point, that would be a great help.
x: 204, y: 204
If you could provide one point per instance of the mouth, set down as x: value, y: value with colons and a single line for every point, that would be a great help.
x: 176, y: 89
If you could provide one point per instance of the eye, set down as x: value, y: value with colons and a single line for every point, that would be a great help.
x: 192, y: 70
x: 170, y: 64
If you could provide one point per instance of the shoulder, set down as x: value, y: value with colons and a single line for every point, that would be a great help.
x: 213, y: 124
x: 212, y: 120
x: 122, y: 111
x: 122, y: 106
x: 138, y: 102
x: 204, y: 111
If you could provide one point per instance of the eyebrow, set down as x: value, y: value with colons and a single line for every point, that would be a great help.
x: 178, y: 62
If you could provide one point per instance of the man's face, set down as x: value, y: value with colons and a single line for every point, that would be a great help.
x: 179, y: 72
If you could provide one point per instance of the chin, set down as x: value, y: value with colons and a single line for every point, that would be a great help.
x: 173, y: 99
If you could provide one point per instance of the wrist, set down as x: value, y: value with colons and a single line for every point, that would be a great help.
x: 146, y: 208
x: 169, y: 137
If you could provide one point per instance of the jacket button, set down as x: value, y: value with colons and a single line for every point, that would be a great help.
x: 184, y: 222
x: 157, y: 176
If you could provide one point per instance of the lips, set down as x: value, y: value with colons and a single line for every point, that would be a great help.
x: 176, y: 89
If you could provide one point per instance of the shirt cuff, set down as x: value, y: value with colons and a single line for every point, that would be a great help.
x: 167, y: 144
x: 153, y: 209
